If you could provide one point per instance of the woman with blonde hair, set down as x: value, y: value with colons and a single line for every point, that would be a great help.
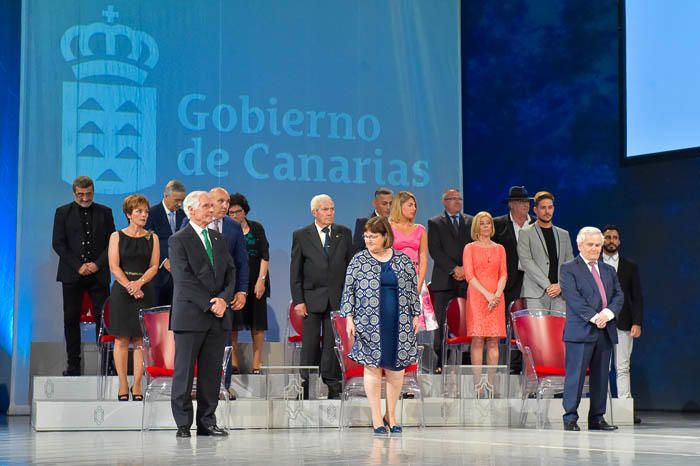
x: 485, y: 271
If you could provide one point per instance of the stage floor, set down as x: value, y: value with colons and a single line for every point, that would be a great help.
x: 663, y: 438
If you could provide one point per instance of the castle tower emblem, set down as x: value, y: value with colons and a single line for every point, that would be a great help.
x: 109, y: 116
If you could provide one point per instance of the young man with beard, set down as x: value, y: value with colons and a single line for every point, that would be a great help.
x: 542, y: 249
x: 629, y: 322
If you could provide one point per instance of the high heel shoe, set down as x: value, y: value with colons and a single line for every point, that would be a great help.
x: 380, y: 430
x: 124, y: 397
x: 135, y: 397
x: 392, y: 429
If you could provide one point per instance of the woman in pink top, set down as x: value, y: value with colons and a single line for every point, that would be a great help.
x: 409, y: 237
x: 485, y: 270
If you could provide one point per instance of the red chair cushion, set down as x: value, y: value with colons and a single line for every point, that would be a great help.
x: 294, y: 339
x: 107, y: 339
x: 359, y: 371
x: 159, y: 372
x: 544, y: 371
x: 459, y: 340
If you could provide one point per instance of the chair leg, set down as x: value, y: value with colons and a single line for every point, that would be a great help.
x: 100, y: 393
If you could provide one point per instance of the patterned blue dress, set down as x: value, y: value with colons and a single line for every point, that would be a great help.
x: 377, y: 345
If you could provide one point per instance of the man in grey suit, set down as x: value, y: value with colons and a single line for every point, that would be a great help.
x: 542, y: 249
x: 320, y: 256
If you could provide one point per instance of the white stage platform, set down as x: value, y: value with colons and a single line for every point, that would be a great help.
x: 70, y: 403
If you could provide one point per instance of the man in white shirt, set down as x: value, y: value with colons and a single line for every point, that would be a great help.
x: 629, y: 322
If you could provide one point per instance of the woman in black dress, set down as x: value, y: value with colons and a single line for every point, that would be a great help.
x: 133, y: 260
x: 253, y: 317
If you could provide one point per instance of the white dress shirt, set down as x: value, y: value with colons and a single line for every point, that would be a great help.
x: 198, y: 230
x: 217, y: 225
x: 613, y: 260
x: 516, y: 227
x: 321, y: 234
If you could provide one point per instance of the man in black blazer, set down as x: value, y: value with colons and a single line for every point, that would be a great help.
x: 81, y: 233
x: 320, y: 256
x: 203, y: 279
x: 507, y: 229
x: 629, y: 322
x: 383, y: 198
x: 448, y: 233
x: 164, y: 219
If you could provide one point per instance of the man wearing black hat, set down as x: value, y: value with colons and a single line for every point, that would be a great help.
x: 507, y: 229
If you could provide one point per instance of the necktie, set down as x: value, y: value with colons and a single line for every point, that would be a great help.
x: 171, y: 220
x: 207, y: 245
x: 455, y: 222
x: 326, y: 240
x: 599, y: 284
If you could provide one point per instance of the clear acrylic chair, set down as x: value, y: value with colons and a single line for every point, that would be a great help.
x: 353, y: 384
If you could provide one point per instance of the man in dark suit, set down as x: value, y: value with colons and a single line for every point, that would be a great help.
x: 320, y: 256
x: 203, y: 279
x: 81, y: 233
x: 448, y: 233
x: 233, y: 234
x: 629, y: 322
x: 593, y: 301
x: 165, y: 218
x: 507, y: 229
x: 383, y: 198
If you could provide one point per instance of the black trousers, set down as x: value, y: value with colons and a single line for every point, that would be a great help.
x: 206, y: 350
x: 163, y: 285
x: 72, y: 304
x: 442, y: 299
x: 516, y: 358
x: 323, y: 355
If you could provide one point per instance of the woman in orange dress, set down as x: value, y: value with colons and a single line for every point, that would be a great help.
x: 485, y: 270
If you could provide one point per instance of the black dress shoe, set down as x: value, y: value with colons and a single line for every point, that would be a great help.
x: 601, y: 425
x: 572, y: 426
x: 71, y: 372
x: 333, y: 395
x: 183, y: 432
x: 212, y: 431
x: 637, y: 419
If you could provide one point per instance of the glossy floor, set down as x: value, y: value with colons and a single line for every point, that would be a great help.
x: 663, y: 439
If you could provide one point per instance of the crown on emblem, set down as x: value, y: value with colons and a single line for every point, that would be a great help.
x: 131, y: 59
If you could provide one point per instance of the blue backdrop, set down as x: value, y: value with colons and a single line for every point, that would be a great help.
x: 540, y: 99
x: 277, y: 100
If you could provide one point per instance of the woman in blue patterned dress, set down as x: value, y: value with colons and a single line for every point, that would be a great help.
x: 381, y: 302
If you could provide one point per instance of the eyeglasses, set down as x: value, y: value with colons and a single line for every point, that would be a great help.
x: 86, y: 195
x: 235, y: 212
x: 453, y: 198
x: 371, y: 237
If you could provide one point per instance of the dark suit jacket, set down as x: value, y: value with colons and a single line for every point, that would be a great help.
x: 358, y: 240
x: 233, y: 234
x: 67, y: 239
x: 317, y: 280
x: 158, y: 222
x: 631, y: 313
x: 583, y: 300
x: 446, y: 247
x: 196, y: 281
x: 505, y: 235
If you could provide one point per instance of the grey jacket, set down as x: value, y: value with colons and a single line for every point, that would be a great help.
x: 534, y: 260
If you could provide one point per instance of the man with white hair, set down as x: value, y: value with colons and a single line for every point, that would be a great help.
x: 320, y: 256
x: 593, y: 301
x: 204, y: 280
